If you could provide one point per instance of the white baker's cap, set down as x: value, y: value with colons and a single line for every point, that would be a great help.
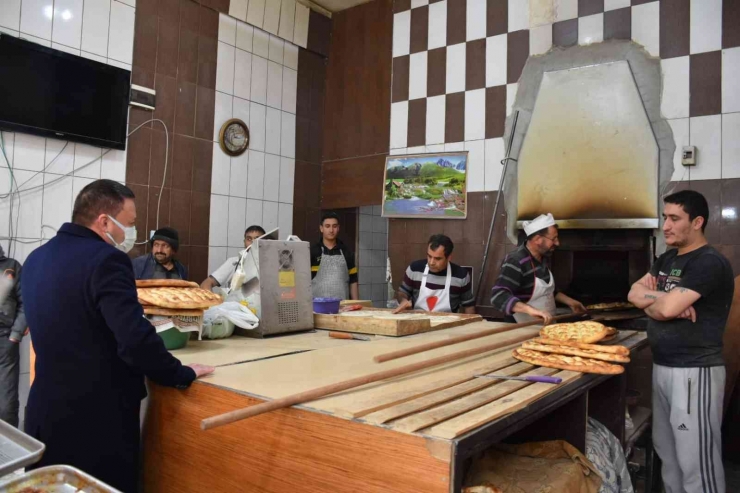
x: 539, y: 223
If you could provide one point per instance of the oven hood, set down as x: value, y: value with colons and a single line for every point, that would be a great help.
x: 589, y: 155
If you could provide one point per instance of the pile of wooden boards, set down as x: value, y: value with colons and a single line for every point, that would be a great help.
x: 380, y: 321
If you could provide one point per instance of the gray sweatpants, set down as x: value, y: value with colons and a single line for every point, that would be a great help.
x: 687, y: 417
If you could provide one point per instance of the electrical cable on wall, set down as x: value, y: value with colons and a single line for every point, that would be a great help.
x: 12, y: 229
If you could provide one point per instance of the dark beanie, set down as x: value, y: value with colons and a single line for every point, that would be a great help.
x: 168, y: 235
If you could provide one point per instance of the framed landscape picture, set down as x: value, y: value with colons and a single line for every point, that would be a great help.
x: 426, y: 185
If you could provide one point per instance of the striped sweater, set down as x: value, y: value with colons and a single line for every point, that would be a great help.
x: 461, y: 292
x: 516, y: 279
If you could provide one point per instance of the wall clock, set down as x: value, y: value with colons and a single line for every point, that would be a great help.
x: 234, y: 137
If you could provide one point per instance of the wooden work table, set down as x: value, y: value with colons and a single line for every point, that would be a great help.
x: 412, y: 433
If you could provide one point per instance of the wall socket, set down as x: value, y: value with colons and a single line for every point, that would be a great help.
x: 688, y: 156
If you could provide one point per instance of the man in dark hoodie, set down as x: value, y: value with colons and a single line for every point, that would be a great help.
x: 12, y: 330
x: 161, y: 263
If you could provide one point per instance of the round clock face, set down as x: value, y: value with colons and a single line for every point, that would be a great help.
x: 234, y: 137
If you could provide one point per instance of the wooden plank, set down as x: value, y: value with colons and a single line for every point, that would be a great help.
x: 501, y: 407
x: 388, y: 327
x: 290, y: 450
x: 440, y: 397
x: 460, y: 406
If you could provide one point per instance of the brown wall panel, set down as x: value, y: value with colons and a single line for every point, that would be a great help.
x: 352, y: 182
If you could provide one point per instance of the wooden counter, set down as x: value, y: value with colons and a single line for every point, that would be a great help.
x: 409, y: 434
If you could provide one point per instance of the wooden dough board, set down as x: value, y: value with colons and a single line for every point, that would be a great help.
x: 389, y: 327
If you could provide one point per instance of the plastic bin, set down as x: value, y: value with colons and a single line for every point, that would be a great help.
x: 326, y: 305
x: 174, y: 339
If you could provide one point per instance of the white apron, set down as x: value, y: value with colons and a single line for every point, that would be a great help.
x: 543, y: 298
x: 332, y: 279
x: 443, y: 295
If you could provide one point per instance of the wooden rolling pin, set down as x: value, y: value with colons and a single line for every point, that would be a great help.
x: 314, y: 394
x: 382, y: 358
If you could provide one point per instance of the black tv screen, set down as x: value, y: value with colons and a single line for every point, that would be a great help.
x: 47, y: 92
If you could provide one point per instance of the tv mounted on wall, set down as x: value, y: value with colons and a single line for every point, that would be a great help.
x: 50, y: 93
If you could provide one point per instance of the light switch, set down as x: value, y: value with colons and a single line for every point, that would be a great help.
x: 688, y: 156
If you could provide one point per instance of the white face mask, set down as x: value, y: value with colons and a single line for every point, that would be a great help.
x: 129, y: 238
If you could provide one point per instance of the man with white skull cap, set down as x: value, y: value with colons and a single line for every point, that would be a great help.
x: 525, y: 288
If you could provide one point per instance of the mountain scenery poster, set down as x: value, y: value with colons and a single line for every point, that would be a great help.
x: 426, y: 185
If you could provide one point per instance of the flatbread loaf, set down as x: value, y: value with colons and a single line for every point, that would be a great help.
x: 165, y: 283
x: 617, y: 305
x: 179, y: 298
x: 564, y: 362
x: 586, y: 331
x: 572, y: 351
x: 171, y: 312
x: 596, y: 347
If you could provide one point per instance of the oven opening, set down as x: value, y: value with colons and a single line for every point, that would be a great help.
x: 600, y: 276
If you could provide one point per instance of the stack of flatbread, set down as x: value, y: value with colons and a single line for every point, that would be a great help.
x: 572, y: 346
x: 174, y: 297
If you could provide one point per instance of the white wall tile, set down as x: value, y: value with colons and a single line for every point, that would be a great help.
x: 257, y: 126
x: 29, y: 152
x: 216, y: 255
x: 237, y: 221
x: 11, y: 32
x: 36, y: 18
x: 705, y: 25
x: 130, y: 3
x: 220, y: 171
x: 254, y: 212
x: 475, y: 165
x: 238, y: 9
x: 418, y: 3
x: 243, y: 74
x: 272, y: 131
x: 114, y: 63
x: 495, y: 60
x: 84, y: 156
x: 510, y: 97
x: 436, y: 120
x: 239, y: 175
x: 275, y: 49
x: 591, y: 29
x: 401, y: 33
x: 78, y: 184
x: 35, y: 39
x: 540, y: 40
x: 227, y: 29
x: 290, y: 56
x: 287, y: 179
x: 437, y: 35
x: 274, y: 84
x: 121, y: 36
x: 259, y: 80
x: 300, y: 31
x: 271, y: 189
x: 113, y: 166
x: 60, y: 156
x: 256, y: 12
x: 290, y: 90
x: 223, y: 112
x: 234, y: 251
x: 272, y: 16
x: 244, y: 35
x: 399, y: 151
x: 57, y: 202
x: 646, y: 26
x: 706, y: 134
x: 10, y: 14
x: 565, y: 10
x: 261, y: 43
x: 494, y: 154
x: 67, y: 23
x: 225, y: 68
x: 674, y: 101
x: 475, y: 19
x: 680, y: 128
x: 92, y: 56
x: 518, y: 15
x: 241, y: 110
x: 418, y: 75
x: 399, y: 123
x: 455, y: 146
x: 417, y: 150
x: 731, y: 145
x: 615, y: 4
x: 73, y: 51
x: 435, y: 148
x: 475, y: 114
x: 287, y: 135
x: 730, y: 78
x: 287, y: 20
x: 285, y: 220
x: 270, y: 215
x: 31, y: 204
x: 256, y: 180
x: 455, y: 68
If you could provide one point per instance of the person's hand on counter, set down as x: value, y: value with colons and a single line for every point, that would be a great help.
x: 404, y: 305
x: 201, y: 370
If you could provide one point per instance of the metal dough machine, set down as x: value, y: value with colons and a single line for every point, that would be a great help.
x: 274, y: 278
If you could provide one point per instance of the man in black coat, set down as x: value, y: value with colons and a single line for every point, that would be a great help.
x: 93, y: 345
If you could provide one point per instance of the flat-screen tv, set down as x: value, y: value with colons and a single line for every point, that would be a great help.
x: 47, y: 92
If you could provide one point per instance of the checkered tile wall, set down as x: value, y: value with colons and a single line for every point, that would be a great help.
x: 456, y: 64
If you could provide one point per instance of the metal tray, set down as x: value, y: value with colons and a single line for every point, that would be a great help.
x: 56, y: 479
x: 17, y: 449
